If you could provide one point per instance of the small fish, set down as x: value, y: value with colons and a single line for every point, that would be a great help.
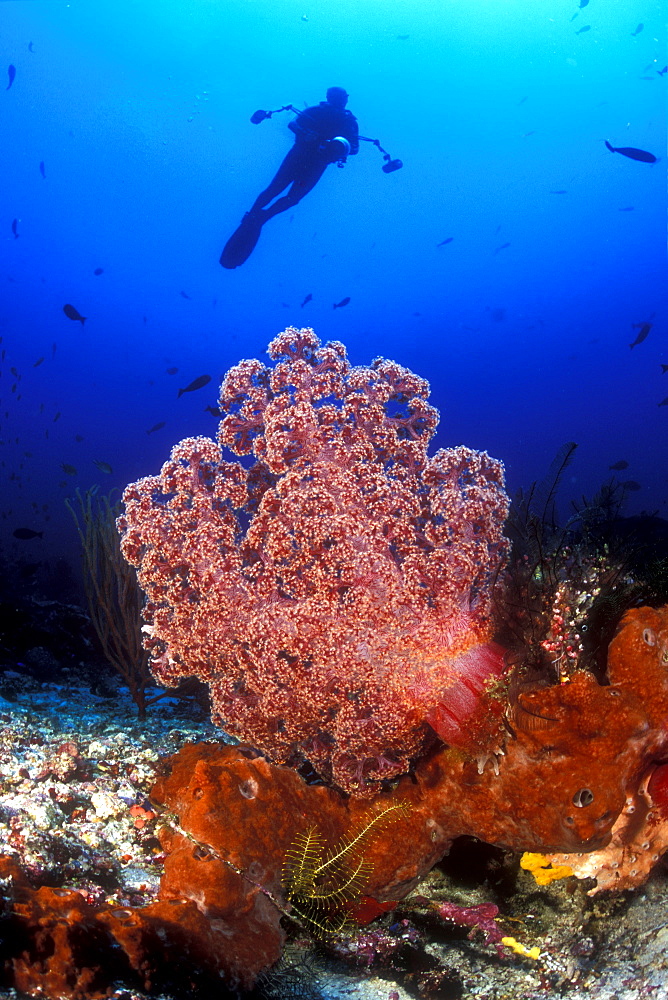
x: 11, y: 73
x: 618, y: 466
x: 57, y: 416
x: 307, y: 299
x: 213, y: 410
x: 15, y: 228
x: 642, y: 332
x: 521, y: 100
x: 41, y: 169
x: 25, y: 534
x: 30, y: 48
x: 156, y: 427
x: 98, y: 270
x: 664, y: 369
x: 79, y: 438
x: 74, y: 314
x: 15, y: 372
x: 103, y: 467
x: 637, y: 31
x: 171, y: 371
x: 560, y: 191
x: 631, y: 484
x: 184, y: 294
x: 587, y: 27
x: 69, y: 470
x: 664, y: 402
x: 342, y: 303
x: 449, y: 239
x: 628, y: 208
x: 503, y: 246
x: 402, y: 38
x: 583, y: 3
x: 37, y: 363
x: 662, y: 72
x: 197, y: 383
x: 632, y: 153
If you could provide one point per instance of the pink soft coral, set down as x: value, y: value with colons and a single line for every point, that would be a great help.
x: 338, y: 591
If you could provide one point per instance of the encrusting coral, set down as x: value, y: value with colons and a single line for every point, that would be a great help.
x: 337, y: 593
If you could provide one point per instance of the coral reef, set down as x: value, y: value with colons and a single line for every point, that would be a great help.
x: 337, y: 595
x: 346, y: 599
x: 594, y: 758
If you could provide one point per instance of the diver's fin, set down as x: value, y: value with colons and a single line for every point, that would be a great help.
x: 243, y: 240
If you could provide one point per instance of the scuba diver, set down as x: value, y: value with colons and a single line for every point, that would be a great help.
x: 326, y: 133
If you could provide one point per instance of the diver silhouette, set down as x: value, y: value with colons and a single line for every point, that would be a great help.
x: 325, y: 133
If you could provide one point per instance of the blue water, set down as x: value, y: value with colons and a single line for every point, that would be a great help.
x: 140, y: 114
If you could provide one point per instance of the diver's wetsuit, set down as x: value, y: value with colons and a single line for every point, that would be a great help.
x: 307, y: 161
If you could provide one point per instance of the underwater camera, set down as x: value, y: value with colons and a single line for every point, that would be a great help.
x: 392, y: 165
x: 389, y: 166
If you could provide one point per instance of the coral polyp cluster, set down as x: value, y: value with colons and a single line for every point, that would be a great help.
x: 337, y: 592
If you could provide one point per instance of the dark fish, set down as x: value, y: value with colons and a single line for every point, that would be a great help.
x: 15, y: 226
x: 15, y: 372
x: 664, y: 369
x: 30, y: 48
x: 637, y: 31
x: 69, y: 470
x: 213, y: 410
x: 144, y: 318
x: 502, y: 247
x: 156, y: 427
x: 185, y: 295
x: 661, y: 72
x: 41, y: 169
x: 197, y: 383
x: 632, y: 153
x: 449, y: 239
x: 642, y: 332
x: 37, y: 363
x: 560, y: 191
x: 583, y: 3
x: 402, y: 38
x: 307, y: 299
x: 57, y: 416
x: 628, y: 208
x: 664, y: 402
x: 73, y: 313
x: 25, y: 534
x: 98, y: 270
x: 343, y: 302
x: 631, y: 484
x: 103, y: 467
x: 618, y: 466
x: 79, y: 438
x: 171, y: 371
x: 587, y: 27
x: 521, y: 100
x: 11, y: 73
